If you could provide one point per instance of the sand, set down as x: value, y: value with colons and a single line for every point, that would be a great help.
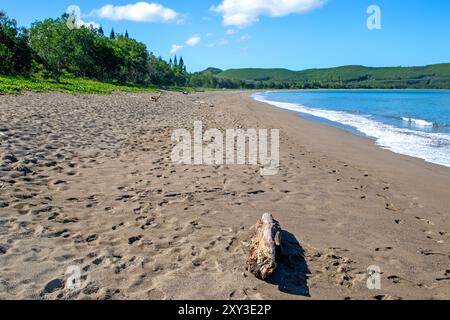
x: 87, y: 182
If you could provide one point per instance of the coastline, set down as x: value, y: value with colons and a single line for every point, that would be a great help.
x: 363, y: 151
x: 105, y: 196
x: 415, y: 139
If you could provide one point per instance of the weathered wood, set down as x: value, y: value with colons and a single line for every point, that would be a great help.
x: 261, y: 261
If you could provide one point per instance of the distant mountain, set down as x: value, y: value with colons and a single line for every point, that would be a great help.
x: 436, y: 76
x: 212, y: 70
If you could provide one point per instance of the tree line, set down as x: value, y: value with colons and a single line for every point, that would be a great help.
x: 51, y: 49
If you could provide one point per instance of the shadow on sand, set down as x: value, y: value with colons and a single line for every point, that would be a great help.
x: 291, y: 274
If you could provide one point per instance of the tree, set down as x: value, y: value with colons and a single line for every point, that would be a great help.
x: 135, y: 60
x: 181, y: 64
x: 108, y: 59
x: 54, y: 50
x: 50, y: 41
x: 126, y: 34
x: 15, y: 53
x: 160, y: 72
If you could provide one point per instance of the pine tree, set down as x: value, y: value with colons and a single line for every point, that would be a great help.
x: 113, y: 34
x: 181, y: 63
x: 175, y: 62
x: 126, y: 34
x: 170, y: 62
x: 101, y: 32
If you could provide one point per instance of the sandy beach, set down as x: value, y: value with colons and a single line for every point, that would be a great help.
x: 88, y: 181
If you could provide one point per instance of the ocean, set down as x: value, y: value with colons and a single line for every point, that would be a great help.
x: 410, y: 122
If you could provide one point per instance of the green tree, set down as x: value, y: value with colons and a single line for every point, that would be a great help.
x: 15, y: 53
x: 160, y: 72
x: 112, y: 35
x: 175, y: 62
x: 135, y: 61
x: 181, y: 64
x: 52, y: 45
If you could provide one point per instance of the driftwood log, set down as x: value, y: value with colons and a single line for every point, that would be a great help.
x: 261, y: 261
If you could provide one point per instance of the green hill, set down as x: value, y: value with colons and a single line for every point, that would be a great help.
x: 212, y: 70
x: 436, y: 76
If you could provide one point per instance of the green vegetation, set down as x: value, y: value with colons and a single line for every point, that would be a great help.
x: 433, y: 76
x: 16, y: 84
x: 52, y: 56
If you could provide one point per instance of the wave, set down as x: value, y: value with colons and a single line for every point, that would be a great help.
x: 431, y: 147
x: 418, y: 122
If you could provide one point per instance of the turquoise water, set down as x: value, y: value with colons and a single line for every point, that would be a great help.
x: 410, y: 122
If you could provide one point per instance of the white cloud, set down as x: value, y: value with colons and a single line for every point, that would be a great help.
x: 230, y: 32
x: 175, y: 48
x: 243, y: 13
x: 193, y: 41
x: 139, y: 11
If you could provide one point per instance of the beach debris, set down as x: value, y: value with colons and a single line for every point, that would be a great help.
x: 261, y: 261
x: 156, y: 98
x: 185, y: 92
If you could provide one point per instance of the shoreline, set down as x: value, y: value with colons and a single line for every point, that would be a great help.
x: 100, y: 192
x: 354, y: 130
x: 361, y: 137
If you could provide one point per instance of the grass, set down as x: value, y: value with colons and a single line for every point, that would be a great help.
x: 15, y: 85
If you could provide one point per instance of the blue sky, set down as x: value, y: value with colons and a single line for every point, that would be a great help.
x: 295, y: 34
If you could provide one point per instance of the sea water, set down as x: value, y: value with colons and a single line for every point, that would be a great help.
x: 410, y: 122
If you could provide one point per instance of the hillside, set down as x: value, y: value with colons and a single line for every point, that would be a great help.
x: 437, y: 76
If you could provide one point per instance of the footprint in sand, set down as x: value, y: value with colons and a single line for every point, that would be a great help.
x: 399, y: 280
x: 446, y: 276
x: 155, y: 294
x: 53, y: 286
x: 385, y: 249
x: 425, y: 221
x: 429, y: 252
x: 391, y: 207
x: 387, y: 297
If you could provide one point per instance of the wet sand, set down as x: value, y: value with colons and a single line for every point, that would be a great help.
x: 87, y: 181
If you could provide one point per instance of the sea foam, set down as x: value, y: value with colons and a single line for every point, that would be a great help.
x: 418, y: 122
x: 431, y: 147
